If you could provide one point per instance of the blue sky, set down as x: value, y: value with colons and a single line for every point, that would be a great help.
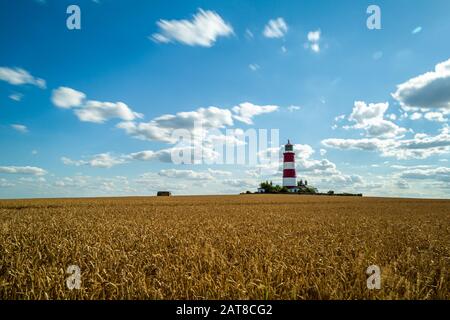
x: 80, y: 109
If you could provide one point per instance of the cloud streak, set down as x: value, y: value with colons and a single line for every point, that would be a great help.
x: 91, y: 110
x: 420, y: 147
x: 203, y: 30
x: 314, y: 41
x: 102, y: 160
x: 20, y: 128
x: 23, y: 170
x: 19, y: 76
x: 275, y: 28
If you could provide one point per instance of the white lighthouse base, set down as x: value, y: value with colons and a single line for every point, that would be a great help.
x: 290, y: 182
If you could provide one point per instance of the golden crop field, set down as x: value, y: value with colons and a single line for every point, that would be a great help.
x: 225, y: 247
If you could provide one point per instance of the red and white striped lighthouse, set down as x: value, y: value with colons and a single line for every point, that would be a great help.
x: 289, y: 174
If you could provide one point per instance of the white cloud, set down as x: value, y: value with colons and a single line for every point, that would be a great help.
x: 346, y: 180
x: 18, y: 76
x: 23, y: 170
x: 65, y: 97
x: 424, y: 145
x: 91, y: 110
x: 88, y: 185
x: 313, y: 41
x: 435, y: 116
x: 102, y: 160
x: 105, y: 160
x: 402, y: 184
x: 108, y: 160
x: 99, y: 112
x: 275, y: 28
x: 20, y: 128
x: 154, y: 182
x: 146, y: 131
x: 16, y: 96
x: 402, y: 167
x: 420, y: 147
x: 211, y: 117
x: 203, y: 30
x: 415, y: 116
x: 32, y: 179
x: 241, y: 183
x: 436, y: 174
x: 370, y: 117
x: 404, y: 115
x: 363, y: 112
x: 392, y: 116
x: 246, y: 111
x: 430, y: 90
x: 148, y: 155
x: 219, y: 173
x: 186, y: 174
x: 162, y: 128
x: 303, y: 151
x: 70, y: 162
x: 358, y: 144
x: 165, y: 155
x: 5, y: 183
x: 320, y: 167
x: 314, y: 36
x: 293, y: 108
x: 77, y: 182
x: 254, y: 173
x: 160, y: 38
x: 417, y: 30
x: 254, y: 66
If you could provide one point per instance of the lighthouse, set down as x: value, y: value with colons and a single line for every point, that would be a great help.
x: 289, y: 174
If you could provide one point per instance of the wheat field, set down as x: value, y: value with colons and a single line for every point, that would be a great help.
x: 225, y: 247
